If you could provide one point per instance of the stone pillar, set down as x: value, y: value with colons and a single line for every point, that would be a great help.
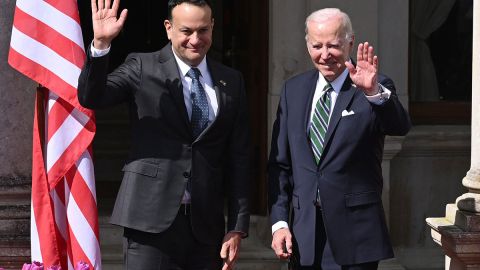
x: 458, y: 233
x: 472, y: 179
x: 287, y: 49
x: 16, y: 120
x: 392, y: 146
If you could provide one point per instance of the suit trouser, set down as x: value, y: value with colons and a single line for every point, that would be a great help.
x: 323, y: 254
x: 174, y: 249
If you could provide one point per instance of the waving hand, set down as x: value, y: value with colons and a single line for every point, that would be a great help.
x: 364, y: 74
x: 106, y: 25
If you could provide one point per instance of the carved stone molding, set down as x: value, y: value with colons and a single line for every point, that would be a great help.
x: 457, y: 234
x: 437, y: 141
x: 472, y: 182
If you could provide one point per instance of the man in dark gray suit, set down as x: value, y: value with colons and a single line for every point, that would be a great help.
x: 325, y: 174
x: 190, y: 142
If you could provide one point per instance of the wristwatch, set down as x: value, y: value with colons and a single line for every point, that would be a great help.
x: 383, y: 95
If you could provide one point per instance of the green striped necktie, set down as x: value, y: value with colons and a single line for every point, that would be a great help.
x: 319, y: 125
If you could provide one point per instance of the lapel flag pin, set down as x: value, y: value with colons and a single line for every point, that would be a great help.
x: 223, y: 82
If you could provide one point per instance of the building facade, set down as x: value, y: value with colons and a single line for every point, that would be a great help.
x: 266, y: 40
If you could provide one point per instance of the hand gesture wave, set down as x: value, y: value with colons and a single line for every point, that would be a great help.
x: 106, y: 25
x: 364, y: 74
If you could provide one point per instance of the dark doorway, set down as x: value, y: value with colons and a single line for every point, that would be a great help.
x: 240, y: 40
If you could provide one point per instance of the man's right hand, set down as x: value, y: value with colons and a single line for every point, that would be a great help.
x: 106, y: 26
x: 282, y: 243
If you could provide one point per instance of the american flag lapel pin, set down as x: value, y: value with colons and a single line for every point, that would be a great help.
x: 222, y: 82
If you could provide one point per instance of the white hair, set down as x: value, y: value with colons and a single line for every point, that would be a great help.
x: 323, y: 15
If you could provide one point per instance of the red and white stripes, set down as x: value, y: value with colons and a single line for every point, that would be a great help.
x: 47, y: 46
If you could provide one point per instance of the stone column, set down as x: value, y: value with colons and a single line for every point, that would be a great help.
x: 458, y: 233
x: 287, y: 50
x: 16, y: 120
x: 472, y: 179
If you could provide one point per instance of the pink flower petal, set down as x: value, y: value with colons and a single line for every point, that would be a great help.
x: 82, y: 266
x: 33, y: 266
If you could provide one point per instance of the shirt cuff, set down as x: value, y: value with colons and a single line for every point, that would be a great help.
x: 97, y: 52
x: 279, y: 225
x: 381, y: 97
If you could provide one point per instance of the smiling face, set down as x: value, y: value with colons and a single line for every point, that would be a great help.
x: 328, y: 46
x: 190, y: 31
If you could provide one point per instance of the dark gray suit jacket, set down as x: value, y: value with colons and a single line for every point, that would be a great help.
x: 164, y: 155
x: 349, y: 175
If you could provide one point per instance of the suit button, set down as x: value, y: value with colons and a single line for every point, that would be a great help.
x: 186, y: 174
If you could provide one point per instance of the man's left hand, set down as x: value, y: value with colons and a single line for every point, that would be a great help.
x: 364, y: 74
x: 230, y: 247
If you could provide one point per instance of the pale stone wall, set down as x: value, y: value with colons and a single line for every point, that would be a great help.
x: 17, y: 95
x: 425, y: 176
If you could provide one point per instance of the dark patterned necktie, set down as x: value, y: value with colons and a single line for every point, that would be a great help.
x: 199, y: 118
x: 319, y: 125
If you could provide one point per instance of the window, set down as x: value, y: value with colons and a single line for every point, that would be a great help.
x: 441, y: 61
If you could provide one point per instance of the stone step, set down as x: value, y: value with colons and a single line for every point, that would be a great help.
x: 391, y: 264
x: 255, y: 253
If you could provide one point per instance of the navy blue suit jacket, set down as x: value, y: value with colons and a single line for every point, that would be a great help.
x: 349, y: 175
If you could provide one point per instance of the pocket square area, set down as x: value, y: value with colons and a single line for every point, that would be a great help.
x: 346, y: 113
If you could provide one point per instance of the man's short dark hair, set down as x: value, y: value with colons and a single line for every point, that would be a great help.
x: 199, y: 3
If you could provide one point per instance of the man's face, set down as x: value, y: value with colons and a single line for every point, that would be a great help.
x: 190, y: 32
x: 328, y: 47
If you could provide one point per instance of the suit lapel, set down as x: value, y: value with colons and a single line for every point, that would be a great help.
x: 169, y: 70
x: 219, y: 83
x: 311, y: 84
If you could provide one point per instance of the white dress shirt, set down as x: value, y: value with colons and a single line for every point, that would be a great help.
x: 205, y: 80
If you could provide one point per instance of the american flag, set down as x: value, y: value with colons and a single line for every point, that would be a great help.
x: 47, y: 46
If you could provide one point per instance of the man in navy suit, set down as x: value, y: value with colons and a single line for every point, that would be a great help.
x: 325, y: 176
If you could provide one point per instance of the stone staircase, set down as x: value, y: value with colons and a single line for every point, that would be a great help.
x: 255, y: 253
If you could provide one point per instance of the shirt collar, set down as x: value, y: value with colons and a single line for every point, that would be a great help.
x: 337, y: 83
x: 184, y: 67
